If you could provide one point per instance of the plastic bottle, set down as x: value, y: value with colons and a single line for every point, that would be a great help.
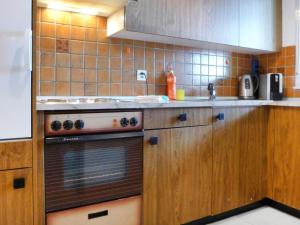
x: 171, y: 85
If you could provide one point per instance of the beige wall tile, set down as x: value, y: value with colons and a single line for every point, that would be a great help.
x: 47, y: 29
x: 47, y: 44
x: 77, y: 19
x: 63, y: 74
x: 63, y: 17
x: 103, y: 49
x: 63, y: 60
x: 76, y: 47
x: 90, y: 62
x: 62, y: 88
x: 77, y: 89
x: 101, y: 23
x: 90, y: 48
x: 47, y: 59
x: 90, y: 34
x: 103, y: 89
x: 77, y: 75
x: 77, y: 33
x: 76, y: 61
x: 90, y: 76
x: 90, y: 89
x: 90, y: 21
x: 103, y: 76
x: 63, y: 31
x: 116, y: 89
x: 47, y: 89
x: 47, y: 74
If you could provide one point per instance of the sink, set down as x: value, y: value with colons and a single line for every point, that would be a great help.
x: 206, y: 99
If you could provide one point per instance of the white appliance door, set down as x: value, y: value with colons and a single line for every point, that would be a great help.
x: 15, y: 69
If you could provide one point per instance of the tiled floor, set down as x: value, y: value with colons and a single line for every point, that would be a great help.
x: 261, y: 216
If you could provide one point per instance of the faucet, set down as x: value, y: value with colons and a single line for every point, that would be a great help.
x: 212, y: 91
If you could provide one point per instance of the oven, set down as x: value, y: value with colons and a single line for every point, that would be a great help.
x: 96, y: 162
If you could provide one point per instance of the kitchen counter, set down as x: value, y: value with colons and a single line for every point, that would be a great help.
x: 131, y: 103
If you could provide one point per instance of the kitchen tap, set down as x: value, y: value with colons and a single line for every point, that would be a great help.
x: 212, y: 91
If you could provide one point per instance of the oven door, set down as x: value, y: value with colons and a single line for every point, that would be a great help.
x: 88, y: 169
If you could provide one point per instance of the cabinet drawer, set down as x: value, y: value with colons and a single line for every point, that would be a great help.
x: 15, y: 154
x: 183, y: 117
x: 110, y: 213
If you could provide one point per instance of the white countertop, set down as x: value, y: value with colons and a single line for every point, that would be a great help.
x: 132, y: 103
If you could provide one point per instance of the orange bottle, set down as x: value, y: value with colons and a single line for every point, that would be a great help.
x: 171, y: 85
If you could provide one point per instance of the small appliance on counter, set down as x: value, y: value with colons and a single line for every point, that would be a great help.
x: 271, y: 86
x: 246, y: 87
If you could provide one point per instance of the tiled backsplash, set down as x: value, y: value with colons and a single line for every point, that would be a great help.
x: 74, y: 57
x: 282, y: 62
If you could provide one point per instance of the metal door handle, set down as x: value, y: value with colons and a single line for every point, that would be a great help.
x: 97, y: 214
x: 182, y: 117
x: 19, y: 183
x: 220, y: 116
x: 153, y: 141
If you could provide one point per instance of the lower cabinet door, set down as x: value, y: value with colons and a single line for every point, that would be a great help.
x: 286, y: 177
x: 124, y: 211
x: 16, y: 197
x: 177, y: 175
x: 239, y: 147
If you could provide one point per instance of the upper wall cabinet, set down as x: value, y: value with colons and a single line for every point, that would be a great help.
x: 206, y: 20
x: 200, y: 23
x: 260, y: 24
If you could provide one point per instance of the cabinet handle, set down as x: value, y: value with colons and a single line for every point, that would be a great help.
x: 19, y: 183
x: 97, y: 214
x: 153, y: 141
x: 182, y: 117
x: 220, y: 116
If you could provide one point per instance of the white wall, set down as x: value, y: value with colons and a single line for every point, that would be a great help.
x: 288, y: 22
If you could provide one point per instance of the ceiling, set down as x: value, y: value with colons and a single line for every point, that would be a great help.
x: 101, y: 7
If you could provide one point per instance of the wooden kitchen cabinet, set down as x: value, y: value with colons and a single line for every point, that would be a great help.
x: 260, y: 24
x: 15, y: 154
x: 253, y: 26
x: 203, y: 20
x: 177, y: 175
x: 15, y: 200
x: 238, y: 157
x: 286, y: 179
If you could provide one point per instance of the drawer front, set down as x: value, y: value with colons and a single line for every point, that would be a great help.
x: 15, y: 154
x: 110, y: 213
x: 183, y: 117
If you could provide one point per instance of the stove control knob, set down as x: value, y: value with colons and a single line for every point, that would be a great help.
x: 124, y: 122
x: 68, y: 125
x: 133, y: 121
x: 79, y: 124
x: 56, y: 125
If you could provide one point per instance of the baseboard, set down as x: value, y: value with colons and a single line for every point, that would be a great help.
x: 256, y: 205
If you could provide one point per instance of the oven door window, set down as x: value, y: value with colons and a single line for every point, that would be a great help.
x: 82, y: 173
x: 84, y: 169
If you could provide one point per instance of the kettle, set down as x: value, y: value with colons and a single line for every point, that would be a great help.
x: 246, y: 88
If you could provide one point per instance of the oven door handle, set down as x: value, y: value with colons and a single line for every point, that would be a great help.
x: 97, y: 137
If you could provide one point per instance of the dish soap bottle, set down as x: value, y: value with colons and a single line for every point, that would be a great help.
x: 171, y: 84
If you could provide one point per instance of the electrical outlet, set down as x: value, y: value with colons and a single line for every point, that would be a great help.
x: 141, y: 75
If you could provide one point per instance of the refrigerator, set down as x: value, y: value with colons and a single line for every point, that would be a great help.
x: 15, y: 69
